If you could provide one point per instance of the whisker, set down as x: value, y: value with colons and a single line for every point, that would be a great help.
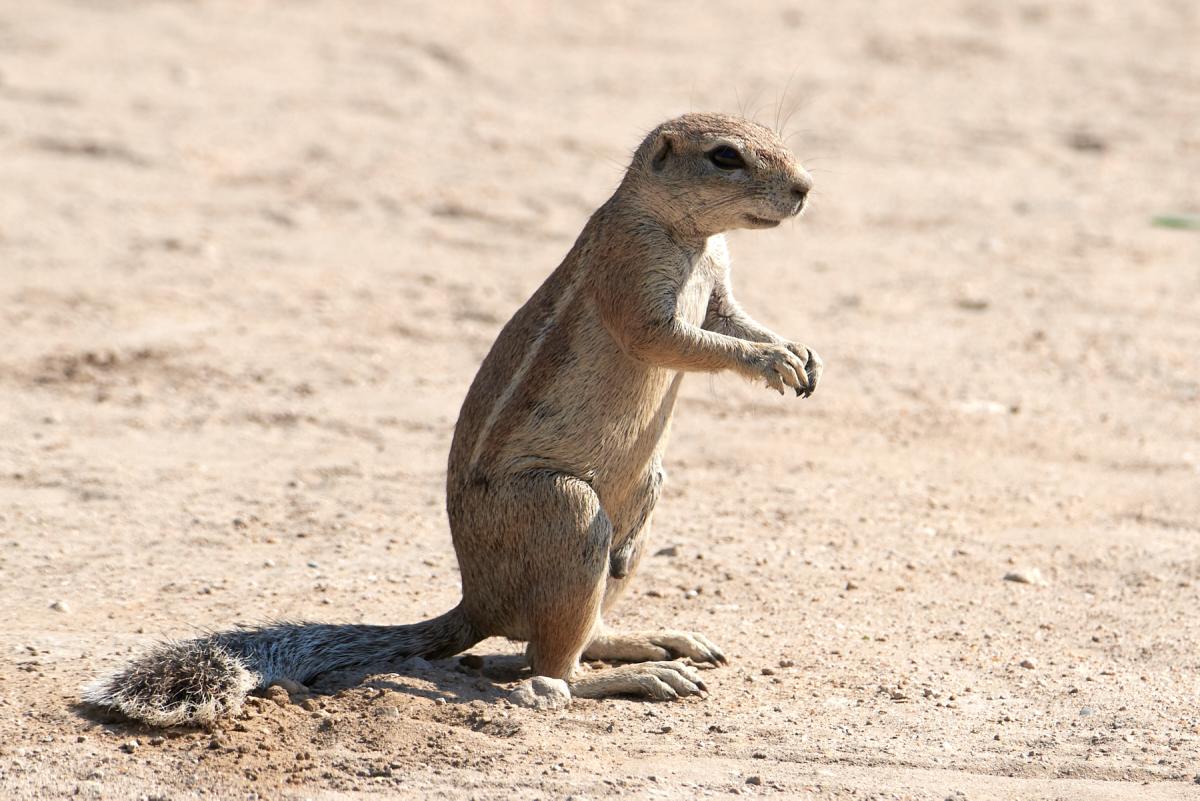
x: 782, y: 99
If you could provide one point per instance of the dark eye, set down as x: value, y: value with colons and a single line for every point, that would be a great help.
x: 726, y: 157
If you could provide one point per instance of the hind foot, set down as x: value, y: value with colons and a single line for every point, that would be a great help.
x: 659, y: 681
x: 652, y: 646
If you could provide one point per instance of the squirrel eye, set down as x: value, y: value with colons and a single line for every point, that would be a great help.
x: 726, y: 157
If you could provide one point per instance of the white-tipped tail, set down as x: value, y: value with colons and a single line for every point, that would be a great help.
x: 194, y: 683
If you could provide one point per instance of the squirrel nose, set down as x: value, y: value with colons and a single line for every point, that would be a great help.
x: 799, y: 194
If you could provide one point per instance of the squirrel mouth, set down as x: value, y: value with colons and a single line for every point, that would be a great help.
x: 762, y: 222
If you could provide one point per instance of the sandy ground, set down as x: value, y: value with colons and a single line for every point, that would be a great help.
x: 252, y: 253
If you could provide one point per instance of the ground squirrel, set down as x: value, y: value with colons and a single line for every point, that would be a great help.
x: 556, y: 463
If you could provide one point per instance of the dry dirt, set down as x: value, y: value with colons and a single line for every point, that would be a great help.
x: 251, y: 254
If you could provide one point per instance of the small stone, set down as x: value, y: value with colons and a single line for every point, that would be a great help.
x: 850, y: 585
x: 310, y: 705
x: 439, y: 701
x: 786, y: 663
x: 1086, y: 711
x: 670, y: 550
x: 278, y: 695
x: 768, y: 671
x: 472, y: 661
x: 1028, y: 664
x: 60, y: 606
x: 541, y: 692
x: 130, y: 746
x: 1026, y: 576
x: 292, y: 686
x: 755, y: 780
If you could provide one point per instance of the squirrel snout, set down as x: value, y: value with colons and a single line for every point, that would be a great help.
x: 800, y: 190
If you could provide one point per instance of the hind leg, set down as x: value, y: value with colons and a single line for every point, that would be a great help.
x: 645, y: 646
x: 564, y: 552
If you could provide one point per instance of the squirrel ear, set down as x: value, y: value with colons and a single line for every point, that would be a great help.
x: 662, y: 150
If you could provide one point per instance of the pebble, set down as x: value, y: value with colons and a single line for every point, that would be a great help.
x: 292, y: 686
x: 60, y: 606
x: 1026, y: 576
x: 755, y: 780
x: 472, y: 661
x: 1028, y: 664
x: 279, y: 695
x: 541, y: 692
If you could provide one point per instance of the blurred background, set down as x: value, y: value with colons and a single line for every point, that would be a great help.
x: 251, y: 254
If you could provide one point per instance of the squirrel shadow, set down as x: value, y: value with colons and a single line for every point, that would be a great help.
x: 455, y: 680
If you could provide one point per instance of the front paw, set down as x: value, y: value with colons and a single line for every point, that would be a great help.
x: 783, y: 367
x: 812, y: 366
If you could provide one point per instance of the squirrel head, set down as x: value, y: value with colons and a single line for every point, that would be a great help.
x: 702, y: 174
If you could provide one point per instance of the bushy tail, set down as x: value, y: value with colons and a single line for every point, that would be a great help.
x: 201, y: 680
